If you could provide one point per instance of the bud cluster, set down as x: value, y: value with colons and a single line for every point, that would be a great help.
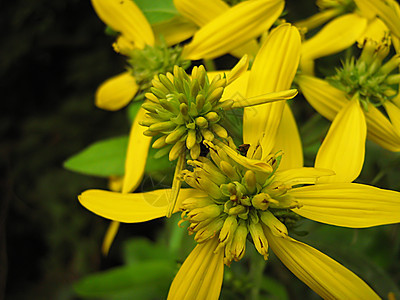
x: 240, y: 201
x: 369, y: 78
x: 184, y: 111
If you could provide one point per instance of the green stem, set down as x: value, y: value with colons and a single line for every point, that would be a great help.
x: 210, y: 65
x: 257, y: 265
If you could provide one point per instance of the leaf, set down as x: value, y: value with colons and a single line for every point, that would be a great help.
x: 104, y: 158
x: 274, y: 288
x: 141, y: 249
x: 157, y: 10
x: 146, y: 278
x: 133, y: 109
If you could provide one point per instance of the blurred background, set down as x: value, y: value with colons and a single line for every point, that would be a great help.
x: 54, y: 55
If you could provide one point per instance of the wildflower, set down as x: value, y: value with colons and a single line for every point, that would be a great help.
x: 351, y: 99
x: 187, y: 110
x: 353, y: 21
x: 147, y: 56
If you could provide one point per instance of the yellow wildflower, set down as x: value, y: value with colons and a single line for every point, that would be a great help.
x: 351, y: 99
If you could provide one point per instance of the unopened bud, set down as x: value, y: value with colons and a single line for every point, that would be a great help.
x: 259, y: 239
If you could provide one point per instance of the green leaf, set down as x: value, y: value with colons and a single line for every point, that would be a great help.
x: 275, y: 289
x: 133, y: 109
x: 157, y: 10
x: 141, y: 249
x: 146, y: 278
x: 104, y: 158
x: 158, y: 167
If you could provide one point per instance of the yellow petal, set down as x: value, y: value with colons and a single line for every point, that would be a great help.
x: 325, y: 276
x: 233, y: 28
x: 381, y: 131
x: 174, y: 31
x: 326, y: 99
x: 343, y: 148
x: 200, y: 276
x: 288, y: 141
x: 116, y: 92
x: 132, y: 207
x: 125, y: 17
x: 238, y: 70
x: 109, y: 237
x: 301, y: 175
x: 136, y: 156
x: 273, y: 70
x: 394, y: 115
x: 348, y: 204
x: 201, y: 12
x: 389, y: 12
x: 266, y: 98
x: 376, y: 30
x: 334, y: 37
x: 366, y: 9
x: 317, y: 19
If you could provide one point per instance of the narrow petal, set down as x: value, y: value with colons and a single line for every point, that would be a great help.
x: 273, y: 70
x: 324, y: 98
x: 288, y: 140
x: 125, y: 17
x: 266, y: 98
x: 381, y: 131
x: 136, y: 155
x: 116, y: 92
x: 318, y: 19
x: 174, y: 31
x: 366, y: 8
x: 394, y: 115
x: 301, y: 175
x: 388, y: 11
x: 336, y: 36
x: 325, y: 276
x: 132, y: 207
x: 348, y: 204
x: 233, y: 28
x: 200, y: 276
x: 343, y: 148
x: 112, y: 231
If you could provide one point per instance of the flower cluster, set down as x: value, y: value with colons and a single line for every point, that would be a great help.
x: 261, y: 188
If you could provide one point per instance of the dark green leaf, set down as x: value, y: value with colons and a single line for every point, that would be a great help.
x: 141, y: 249
x: 157, y: 10
x: 104, y: 158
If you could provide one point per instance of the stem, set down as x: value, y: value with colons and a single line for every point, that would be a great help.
x: 257, y: 265
x: 210, y: 65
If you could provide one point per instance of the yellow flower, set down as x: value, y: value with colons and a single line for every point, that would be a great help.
x: 350, y: 99
x: 353, y: 21
x: 232, y: 199
x: 135, y: 33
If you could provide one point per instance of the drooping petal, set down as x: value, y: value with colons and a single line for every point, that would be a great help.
x: 233, y: 28
x: 394, y: 115
x: 288, y: 140
x: 273, y: 70
x: 265, y: 98
x: 388, y: 11
x: 381, y: 131
x: 343, y: 148
x: 348, y: 204
x: 174, y: 31
x: 132, y: 207
x: 366, y: 9
x: 200, y: 276
x: 324, y: 98
x: 334, y: 37
x: 112, y: 231
x: 125, y: 17
x: 116, y: 92
x: 325, y: 276
x: 301, y: 175
x: 136, y: 156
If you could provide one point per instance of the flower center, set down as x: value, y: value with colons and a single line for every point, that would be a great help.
x: 150, y: 61
x: 239, y: 201
x: 185, y: 110
x: 368, y: 77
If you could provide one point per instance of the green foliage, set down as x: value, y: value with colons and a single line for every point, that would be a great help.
x: 104, y: 158
x: 157, y: 10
